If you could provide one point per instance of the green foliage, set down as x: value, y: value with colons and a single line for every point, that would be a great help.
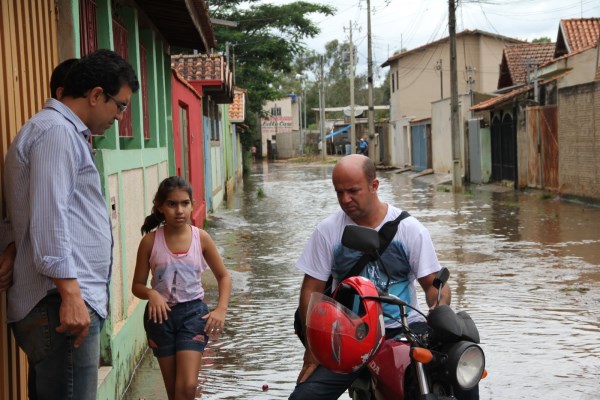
x: 271, y: 60
x: 260, y: 193
x: 544, y: 39
x: 265, y: 41
x: 336, y: 82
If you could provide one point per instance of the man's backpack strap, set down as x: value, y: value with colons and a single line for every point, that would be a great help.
x: 386, y: 234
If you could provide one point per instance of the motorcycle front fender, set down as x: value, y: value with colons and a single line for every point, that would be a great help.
x: 388, y: 369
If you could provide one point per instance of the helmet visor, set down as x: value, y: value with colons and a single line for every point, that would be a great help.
x: 338, y: 337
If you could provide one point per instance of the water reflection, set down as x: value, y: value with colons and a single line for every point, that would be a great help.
x: 525, y: 268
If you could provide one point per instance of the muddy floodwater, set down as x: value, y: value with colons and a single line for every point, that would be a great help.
x: 525, y: 266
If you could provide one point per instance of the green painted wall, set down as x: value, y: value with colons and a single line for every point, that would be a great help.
x: 121, y: 351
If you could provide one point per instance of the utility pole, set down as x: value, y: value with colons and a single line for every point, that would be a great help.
x: 370, y: 76
x: 304, y: 103
x: 322, y: 115
x: 456, y: 175
x: 301, y: 99
x: 352, y: 115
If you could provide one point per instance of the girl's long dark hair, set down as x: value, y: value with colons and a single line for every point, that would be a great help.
x: 156, y: 218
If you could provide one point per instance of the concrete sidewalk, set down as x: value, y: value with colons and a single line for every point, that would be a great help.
x: 147, y: 382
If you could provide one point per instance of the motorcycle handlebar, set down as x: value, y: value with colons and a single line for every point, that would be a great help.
x: 394, y: 301
x: 387, y: 299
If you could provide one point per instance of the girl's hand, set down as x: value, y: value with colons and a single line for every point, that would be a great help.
x: 157, y: 307
x: 215, y: 323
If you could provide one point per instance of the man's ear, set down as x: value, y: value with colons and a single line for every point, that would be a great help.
x: 375, y: 184
x: 96, y: 95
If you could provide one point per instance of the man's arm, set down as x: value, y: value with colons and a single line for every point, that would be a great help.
x: 7, y: 260
x: 431, y: 293
x: 309, y: 286
x: 54, y: 163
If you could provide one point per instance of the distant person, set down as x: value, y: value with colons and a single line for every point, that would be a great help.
x: 58, y: 300
x: 253, y: 150
x: 177, y: 321
x: 363, y: 147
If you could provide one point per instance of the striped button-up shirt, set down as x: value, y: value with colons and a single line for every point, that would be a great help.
x: 58, y: 215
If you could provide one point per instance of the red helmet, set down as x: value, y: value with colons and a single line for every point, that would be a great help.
x: 340, y: 339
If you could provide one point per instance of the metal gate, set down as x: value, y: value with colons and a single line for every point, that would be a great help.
x: 504, y: 147
x: 421, y: 146
x: 542, y: 130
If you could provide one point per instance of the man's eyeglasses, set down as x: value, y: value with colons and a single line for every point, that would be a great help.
x: 121, y: 105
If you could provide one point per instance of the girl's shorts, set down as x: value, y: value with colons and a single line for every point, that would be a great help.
x: 183, y: 330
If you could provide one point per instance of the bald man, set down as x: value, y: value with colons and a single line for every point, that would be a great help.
x: 409, y: 258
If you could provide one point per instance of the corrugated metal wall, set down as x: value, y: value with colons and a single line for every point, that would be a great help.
x: 28, y: 53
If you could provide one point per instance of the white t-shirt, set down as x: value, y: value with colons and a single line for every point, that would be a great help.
x: 409, y: 256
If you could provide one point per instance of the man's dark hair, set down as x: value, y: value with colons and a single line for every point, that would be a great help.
x: 102, y: 68
x: 57, y: 79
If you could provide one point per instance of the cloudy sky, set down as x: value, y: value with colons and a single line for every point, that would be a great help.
x: 412, y: 23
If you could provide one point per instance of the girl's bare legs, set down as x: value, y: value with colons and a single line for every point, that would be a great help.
x: 167, y: 368
x: 186, y: 379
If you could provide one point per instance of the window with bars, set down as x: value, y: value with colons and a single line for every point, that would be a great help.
x: 211, y: 113
x: 88, y: 27
x: 144, y: 85
x: 120, y: 38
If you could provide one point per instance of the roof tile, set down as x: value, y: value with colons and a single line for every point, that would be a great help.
x: 237, y: 108
x: 199, y: 67
x: 581, y: 33
x: 518, y: 56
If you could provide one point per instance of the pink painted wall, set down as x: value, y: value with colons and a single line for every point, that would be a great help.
x: 183, y: 95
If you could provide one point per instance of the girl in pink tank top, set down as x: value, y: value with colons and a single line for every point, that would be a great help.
x: 177, y: 321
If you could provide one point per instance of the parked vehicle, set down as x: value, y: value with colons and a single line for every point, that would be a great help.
x: 346, y: 332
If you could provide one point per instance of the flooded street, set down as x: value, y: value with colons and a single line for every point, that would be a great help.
x: 526, y: 268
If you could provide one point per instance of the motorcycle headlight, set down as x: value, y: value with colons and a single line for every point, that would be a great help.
x: 466, y: 363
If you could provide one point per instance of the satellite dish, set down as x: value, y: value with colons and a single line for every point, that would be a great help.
x: 358, y: 110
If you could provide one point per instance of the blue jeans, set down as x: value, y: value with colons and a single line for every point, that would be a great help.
x: 183, y: 330
x: 57, y: 370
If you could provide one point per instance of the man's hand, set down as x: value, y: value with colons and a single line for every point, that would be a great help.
x: 74, y: 318
x: 309, y: 366
x: 74, y: 314
x: 7, y: 260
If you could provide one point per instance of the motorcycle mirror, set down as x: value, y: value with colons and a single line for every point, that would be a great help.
x: 361, y: 238
x: 441, y: 278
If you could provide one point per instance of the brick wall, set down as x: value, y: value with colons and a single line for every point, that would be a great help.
x: 579, y: 140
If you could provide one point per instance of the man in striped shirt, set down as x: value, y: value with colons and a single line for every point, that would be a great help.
x: 60, y: 224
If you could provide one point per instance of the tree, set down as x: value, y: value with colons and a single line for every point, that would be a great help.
x: 336, y: 81
x: 265, y: 41
x: 265, y: 44
x: 544, y: 39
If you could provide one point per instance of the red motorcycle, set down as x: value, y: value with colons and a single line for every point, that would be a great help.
x: 346, y: 332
